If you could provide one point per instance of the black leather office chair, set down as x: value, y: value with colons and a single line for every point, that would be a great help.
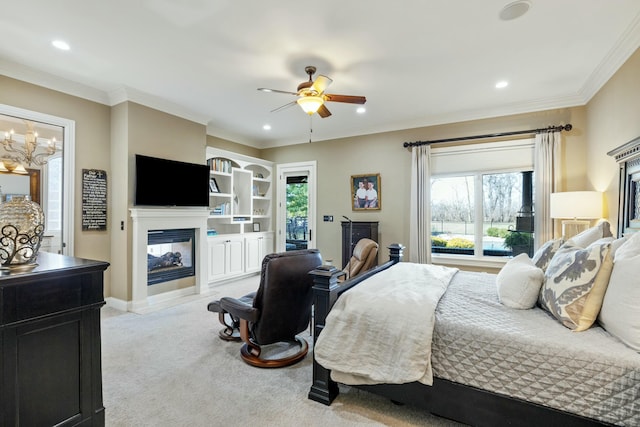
x: 277, y: 312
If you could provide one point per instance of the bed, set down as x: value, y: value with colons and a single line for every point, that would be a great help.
x: 495, y: 365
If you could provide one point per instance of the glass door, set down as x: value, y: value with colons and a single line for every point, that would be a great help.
x: 296, y: 212
x: 297, y: 228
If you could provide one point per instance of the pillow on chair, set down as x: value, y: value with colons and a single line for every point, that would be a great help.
x: 363, y: 258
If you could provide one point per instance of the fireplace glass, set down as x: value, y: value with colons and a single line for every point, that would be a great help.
x: 170, y: 255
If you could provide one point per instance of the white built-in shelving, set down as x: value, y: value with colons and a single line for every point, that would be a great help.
x: 240, y: 213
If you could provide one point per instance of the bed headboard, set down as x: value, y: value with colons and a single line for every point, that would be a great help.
x: 628, y: 158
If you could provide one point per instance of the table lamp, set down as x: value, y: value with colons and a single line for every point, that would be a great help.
x: 576, y: 209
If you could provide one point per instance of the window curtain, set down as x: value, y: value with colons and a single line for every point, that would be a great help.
x: 420, y: 207
x: 547, y: 181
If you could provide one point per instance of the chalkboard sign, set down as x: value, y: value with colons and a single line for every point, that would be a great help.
x: 94, y: 199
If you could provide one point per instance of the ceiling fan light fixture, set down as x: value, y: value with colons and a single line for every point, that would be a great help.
x: 310, y: 104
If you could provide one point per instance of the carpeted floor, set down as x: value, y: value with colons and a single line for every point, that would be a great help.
x: 169, y: 368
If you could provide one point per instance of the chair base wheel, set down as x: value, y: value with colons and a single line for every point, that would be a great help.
x: 279, y: 362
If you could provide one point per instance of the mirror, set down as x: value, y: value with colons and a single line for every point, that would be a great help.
x: 45, y: 176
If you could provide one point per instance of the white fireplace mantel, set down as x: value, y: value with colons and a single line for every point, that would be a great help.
x: 145, y: 219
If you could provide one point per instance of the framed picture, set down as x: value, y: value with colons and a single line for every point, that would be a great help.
x: 366, y: 192
x: 256, y: 226
x: 213, y: 186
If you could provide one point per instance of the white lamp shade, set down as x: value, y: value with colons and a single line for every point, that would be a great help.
x: 310, y: 104
x: 576, y: 204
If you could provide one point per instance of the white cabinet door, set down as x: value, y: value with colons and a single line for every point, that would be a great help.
x: 253, y: 251
x: 267, y: 245
x: 257, y: 246
x: 235, y: 254
x: 217, y: 258
x: 226, y: 257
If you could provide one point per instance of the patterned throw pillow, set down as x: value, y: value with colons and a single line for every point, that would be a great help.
x: 543, y: 255
x: 575, y: 283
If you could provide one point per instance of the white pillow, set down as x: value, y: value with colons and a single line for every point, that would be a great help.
x: 630, y: 248
x: 592, y: 234
x: 617, y: 244
x: 620, y: 313
x: 519, y: 283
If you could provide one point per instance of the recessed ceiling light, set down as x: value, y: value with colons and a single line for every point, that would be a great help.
x: 361, y: 110
x: 502, y: 84
x: 514, y: 10
x: 266, y: 127
x: 62, y: 45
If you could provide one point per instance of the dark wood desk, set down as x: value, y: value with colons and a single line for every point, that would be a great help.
x: 50, y: 353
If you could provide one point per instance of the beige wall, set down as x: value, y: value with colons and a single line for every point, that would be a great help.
x: 383, y: 153
x: 613, y: 118
x: 224, y: 144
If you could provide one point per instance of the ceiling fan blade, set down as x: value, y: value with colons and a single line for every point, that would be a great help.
x: 282, y: 107
x: 350, y: 99
x: 323, y: 111
x: 264, y: 89
x: 321, y: 83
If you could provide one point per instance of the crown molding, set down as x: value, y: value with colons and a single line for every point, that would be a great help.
x: 623, y: 49
x: 125, y: 94
x: 52, y: 82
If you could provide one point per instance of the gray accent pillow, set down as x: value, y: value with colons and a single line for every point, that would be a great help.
x: 543, y: 255
x: 575, y: 283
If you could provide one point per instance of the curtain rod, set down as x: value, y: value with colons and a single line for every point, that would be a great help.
x: 559, y: 128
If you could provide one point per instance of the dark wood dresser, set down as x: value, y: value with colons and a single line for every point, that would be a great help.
x: 50, y: 358
x: 359, y: 230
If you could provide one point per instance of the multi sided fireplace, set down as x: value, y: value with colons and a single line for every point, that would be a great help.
x: 170, y: 254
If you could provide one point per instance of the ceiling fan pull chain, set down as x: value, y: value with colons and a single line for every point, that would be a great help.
x: 310, y: 127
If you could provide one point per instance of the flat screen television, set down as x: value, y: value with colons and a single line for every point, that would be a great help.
x: 163, y: 182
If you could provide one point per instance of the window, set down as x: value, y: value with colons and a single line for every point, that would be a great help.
x: 486, y: 212
x: 54, y: 194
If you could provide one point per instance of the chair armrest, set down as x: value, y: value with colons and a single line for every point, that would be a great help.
x: 239, y: 308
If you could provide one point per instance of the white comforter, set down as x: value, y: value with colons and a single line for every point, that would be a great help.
x: 380, y: 331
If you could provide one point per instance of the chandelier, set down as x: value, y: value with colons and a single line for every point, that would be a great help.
x: 25, y: 153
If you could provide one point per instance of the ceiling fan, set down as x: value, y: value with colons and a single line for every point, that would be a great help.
x: 311, y: 96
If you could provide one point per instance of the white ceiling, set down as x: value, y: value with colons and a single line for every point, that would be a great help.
x: 418, y: 62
